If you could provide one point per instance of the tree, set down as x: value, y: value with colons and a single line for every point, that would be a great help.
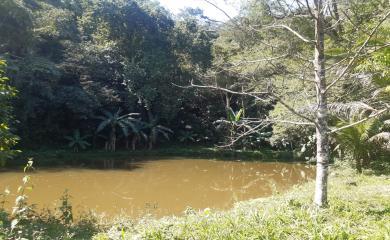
x: 365, y: 141
x: 112, y: 121
x: 287, y: 34
x: 76, y: 141
x: 137, y: 130
x: 156, y: 130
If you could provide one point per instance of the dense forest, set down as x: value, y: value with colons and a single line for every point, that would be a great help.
x: 72, y: 61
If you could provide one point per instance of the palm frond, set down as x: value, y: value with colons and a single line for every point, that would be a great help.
x: 103, y: 125
x: 69, y: 138
x: 343, y: 110
x: 108, y: 114
x: 350, y: 110
x: 124, y: 128
x: 160, y: 127
x: 383, y: 136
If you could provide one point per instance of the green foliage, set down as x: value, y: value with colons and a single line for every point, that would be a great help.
x: 70, y: 59
x: 7, y: 139
x: 76, y: 141
x: 187, y: 136
x: 22, y: 212
x: 66, y: 208
x: 155, y: 131
x: 363, y: 142
x: 15, y: 15
x: 234, y: 117
x: 112, y: 121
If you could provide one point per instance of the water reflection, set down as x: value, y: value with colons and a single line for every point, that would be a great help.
x: 161, y: 187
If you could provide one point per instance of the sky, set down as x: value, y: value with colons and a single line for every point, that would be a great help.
x: 210, y: 11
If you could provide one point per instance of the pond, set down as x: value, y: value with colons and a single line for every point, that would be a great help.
x: 159, y: 187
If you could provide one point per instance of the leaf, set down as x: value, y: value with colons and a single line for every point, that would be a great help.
x: 14, y: 223
x: 108, y: 114
x: 230, y: 115
x: 103, y: 125
x: 124, y: 128
x: 26, y: 179
x: 69, y: 138
x: 238, y: 115
x: 164, y: 128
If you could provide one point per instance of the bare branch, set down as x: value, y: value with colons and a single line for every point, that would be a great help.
x: 246, y: 133
x: 309, y: 9
x: 291, y: 30
x: 259, y: 60
x: 292, y: 109
x: 354, y: 58
x: 281, y: 121
x: 251, y: 94
x: 254, y: 95
x: 361, y: 121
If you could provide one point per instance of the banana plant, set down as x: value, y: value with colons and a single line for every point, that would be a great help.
x: 112, y: 121
x: 76, y: 141
x: 138, y: 133
x: 234, y: 117
x: 187, y: 136
x: 156, y: 130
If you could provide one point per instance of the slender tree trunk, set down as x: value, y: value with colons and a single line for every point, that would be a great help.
x: 150, y: 147
x: 321, y: 185
x: 151, y: 120
x: 133, y: 142
x: 112, y: 139
x: 359, y: 165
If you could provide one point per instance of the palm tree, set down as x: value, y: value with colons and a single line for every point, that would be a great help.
x: 76, y: 141
x: 112, y: 121
x: 187, y: 136
x: 156, y: 130
x: 364, y: 141
x: 138, y: 133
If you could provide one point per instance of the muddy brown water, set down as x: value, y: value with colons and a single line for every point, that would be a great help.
x: 159, y: 187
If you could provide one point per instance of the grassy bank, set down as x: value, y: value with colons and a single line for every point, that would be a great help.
x: 359, y: 208
x: 58, y: 157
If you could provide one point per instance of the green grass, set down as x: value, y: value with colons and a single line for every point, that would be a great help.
x: 359, y: 208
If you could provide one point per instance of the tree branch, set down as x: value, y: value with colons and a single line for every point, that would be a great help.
x: 354, y: 58
x: 360, y: 121
x: 292, y: 31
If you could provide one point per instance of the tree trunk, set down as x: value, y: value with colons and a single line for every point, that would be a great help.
x: 321, y: 185
x: 133, y: 142
x: 112, y: 139
x: 151, y: 120
x: 359, y: 165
